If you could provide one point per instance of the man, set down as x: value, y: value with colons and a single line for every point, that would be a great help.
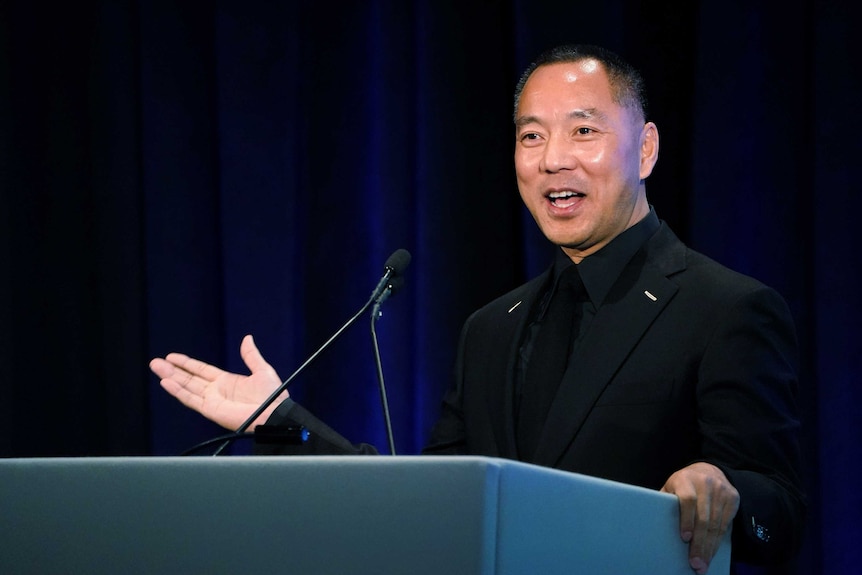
x: 672, y: 371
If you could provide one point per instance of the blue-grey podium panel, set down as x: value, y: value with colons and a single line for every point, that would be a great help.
x: 329, y: 515
x: 552, y: 522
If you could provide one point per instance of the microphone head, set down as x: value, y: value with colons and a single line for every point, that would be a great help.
x: 398, y: 262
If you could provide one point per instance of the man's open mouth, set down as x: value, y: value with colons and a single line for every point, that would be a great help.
x: 564, y: 196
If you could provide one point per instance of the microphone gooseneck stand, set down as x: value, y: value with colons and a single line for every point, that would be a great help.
x: 391, y: 280
x: 375, y: 315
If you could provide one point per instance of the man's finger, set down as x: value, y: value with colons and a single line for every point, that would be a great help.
x: 687, y: 498
x: 253, y: 358
x: 718, y: 502
x: 190, y: 400
x: 194, y: 366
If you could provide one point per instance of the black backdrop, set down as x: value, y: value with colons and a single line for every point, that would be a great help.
x: 175, y: 175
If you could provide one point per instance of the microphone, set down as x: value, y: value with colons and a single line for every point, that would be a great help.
x: 391, y: 280
x: 393, y: 268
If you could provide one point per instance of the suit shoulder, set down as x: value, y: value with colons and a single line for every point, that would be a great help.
x: 702, y: 277
x: 684, y: 264
x: 702, y: 269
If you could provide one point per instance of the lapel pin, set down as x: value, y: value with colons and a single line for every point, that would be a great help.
x: 649, y: 295
x: 514, y: 306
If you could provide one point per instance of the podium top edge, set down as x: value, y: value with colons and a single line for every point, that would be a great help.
x: 456, y: 462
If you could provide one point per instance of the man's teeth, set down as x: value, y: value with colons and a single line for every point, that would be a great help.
x: 554, y: 196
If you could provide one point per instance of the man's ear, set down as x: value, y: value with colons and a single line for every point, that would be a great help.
x: 649, y: 149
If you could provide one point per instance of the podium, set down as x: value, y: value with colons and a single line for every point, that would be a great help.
x: 344, y: 515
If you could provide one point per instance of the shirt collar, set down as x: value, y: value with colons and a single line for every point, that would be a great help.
x: 599, y: 271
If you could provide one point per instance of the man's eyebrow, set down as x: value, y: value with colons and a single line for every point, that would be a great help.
x: 588, y: 114
x: 578, y: 114
x: 524, y: 120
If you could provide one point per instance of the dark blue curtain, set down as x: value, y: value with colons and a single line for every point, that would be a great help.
x: 175, y: 175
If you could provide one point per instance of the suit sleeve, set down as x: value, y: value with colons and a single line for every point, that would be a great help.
x: 748, y: 416
x: 322, y: 440
x: 448, y: 436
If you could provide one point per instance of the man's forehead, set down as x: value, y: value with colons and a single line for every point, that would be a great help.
x: 576, y: 70
x: 569, y: 72
x: 583, y: 83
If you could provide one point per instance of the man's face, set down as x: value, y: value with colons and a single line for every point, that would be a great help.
x: 580, y: 158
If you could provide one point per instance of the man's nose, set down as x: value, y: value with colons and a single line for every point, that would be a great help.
x: 558, y: 155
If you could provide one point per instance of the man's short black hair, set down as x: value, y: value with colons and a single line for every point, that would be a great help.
x: 627, y: 84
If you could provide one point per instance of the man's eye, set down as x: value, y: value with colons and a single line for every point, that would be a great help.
x: 530, y: 136
x: 583, y: 131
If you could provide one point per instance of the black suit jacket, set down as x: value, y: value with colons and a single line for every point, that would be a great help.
x: 684, y: 361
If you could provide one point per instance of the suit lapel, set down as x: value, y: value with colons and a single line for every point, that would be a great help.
x: 512, y: 319
x: 637, y: 298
